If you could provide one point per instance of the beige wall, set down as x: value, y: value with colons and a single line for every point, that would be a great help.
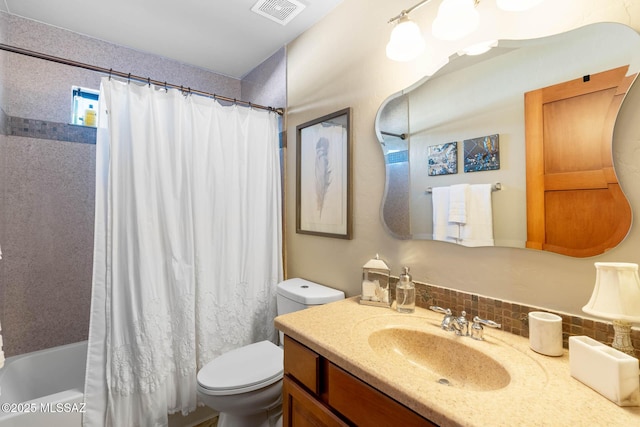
x: 341, y: 63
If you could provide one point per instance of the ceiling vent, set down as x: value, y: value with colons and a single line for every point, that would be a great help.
x: 280, y: 11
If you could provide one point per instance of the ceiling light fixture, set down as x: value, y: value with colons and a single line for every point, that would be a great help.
x: 455, y: 20
x: 406, y: 41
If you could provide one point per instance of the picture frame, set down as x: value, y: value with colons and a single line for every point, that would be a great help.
x: 482, y: 154
x: 323, y: 176
x: 442, y: 159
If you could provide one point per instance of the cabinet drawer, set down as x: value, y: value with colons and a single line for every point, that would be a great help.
x: 301, y: 409
x: 302, y: 363
x: 363, y: 405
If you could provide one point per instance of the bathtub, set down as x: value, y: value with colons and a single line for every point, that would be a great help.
x: 44, y: 388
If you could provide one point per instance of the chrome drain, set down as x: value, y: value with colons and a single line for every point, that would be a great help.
x: 444, y: 381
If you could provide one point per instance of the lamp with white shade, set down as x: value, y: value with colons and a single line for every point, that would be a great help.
x: 616, y: 297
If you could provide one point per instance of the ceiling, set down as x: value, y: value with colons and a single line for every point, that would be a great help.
x: 223, y: 36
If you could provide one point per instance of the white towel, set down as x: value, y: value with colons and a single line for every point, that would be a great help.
x: 478, y: 230
x: 458, y: 195
x: 442, y: 230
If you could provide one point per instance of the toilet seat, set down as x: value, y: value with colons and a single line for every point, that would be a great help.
x: 242, y: 370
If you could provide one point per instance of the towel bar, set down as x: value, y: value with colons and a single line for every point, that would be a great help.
x: 495, y: 187
x: 397, y: 135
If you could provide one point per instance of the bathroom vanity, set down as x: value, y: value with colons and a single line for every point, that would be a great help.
x: 318, y: 392
x: 351, y: 364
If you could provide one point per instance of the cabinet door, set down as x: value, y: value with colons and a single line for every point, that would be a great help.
x: 365, y: 406
x: 301, y: 409
x: 575, y: 205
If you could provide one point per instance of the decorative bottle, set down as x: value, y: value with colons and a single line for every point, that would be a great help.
x: 405, y: 293
x: 90, y: 116
x: 375, y: 283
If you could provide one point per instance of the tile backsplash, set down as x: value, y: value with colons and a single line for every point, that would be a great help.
x: 512, y: 316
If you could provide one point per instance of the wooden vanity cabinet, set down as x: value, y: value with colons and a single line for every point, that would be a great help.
x: 318, y: 393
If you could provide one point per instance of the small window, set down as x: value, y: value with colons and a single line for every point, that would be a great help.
x: 84, y: 108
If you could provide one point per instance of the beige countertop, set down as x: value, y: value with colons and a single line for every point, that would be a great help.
x: 539, y: 392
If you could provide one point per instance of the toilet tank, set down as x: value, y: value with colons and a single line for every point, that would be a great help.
x: 298, y: 294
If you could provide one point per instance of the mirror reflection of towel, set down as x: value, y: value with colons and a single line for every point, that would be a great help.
x: 458, y: 195
x: 442, y: 229
x: 478, y: 230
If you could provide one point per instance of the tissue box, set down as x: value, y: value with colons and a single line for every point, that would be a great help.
x: 610, y: 372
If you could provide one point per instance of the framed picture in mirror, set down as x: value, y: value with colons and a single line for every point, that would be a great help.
x: 323, y: 176
x: 443, y: 159
x: 482, y: 154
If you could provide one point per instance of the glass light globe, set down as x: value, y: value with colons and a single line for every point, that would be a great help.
x: 406, y: 41
x: 456, y: 19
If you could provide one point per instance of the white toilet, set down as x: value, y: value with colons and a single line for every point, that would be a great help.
x: 245, y: 384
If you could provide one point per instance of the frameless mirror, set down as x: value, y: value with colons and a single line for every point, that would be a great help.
x: 466, y: 125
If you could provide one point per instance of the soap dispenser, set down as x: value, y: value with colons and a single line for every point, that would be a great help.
x: 405, y: 293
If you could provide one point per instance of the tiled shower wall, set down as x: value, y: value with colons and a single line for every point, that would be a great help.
x: 46, y: 233
x: 47, y: 172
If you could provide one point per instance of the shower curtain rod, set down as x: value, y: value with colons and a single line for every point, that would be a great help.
x: 130, y: 77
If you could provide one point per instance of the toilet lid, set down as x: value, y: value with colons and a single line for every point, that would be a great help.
x: 242, y: 370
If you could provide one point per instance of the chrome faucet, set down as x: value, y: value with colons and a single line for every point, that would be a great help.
x: 477, y: 331
x: 460, y: 324
x: 448, y: 316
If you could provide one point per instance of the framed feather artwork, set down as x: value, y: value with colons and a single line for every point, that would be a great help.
x: 323, y: 176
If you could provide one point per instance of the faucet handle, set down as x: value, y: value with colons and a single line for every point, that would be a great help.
x: 448, y: 315
x: 446, y: 311
x: 484, y: 322
x: 477, y: 331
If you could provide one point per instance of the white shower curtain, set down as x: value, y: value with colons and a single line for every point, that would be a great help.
x: 187, y: 248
